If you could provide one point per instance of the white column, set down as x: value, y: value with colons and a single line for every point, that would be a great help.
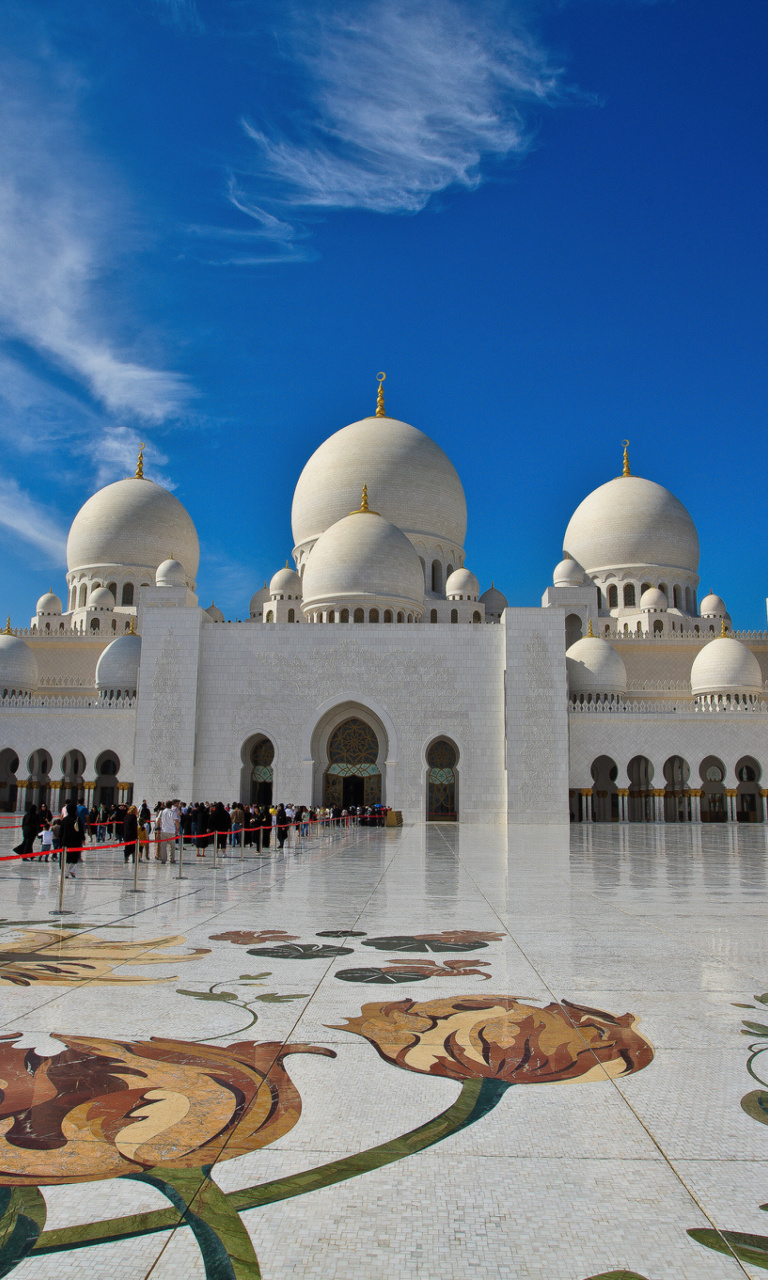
x: 695, y: 806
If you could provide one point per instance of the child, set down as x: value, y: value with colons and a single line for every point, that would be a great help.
x: 143, y: 838
x: 47, y: 835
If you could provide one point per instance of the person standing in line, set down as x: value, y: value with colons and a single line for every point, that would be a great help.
x: 30, y: 825
x: 71, y: 849
x: 238, y: 822
x: 130, y: 832
x: 281, y: 823
x: 166, y: 833
x: 142, y: 829
x: 82, y: 822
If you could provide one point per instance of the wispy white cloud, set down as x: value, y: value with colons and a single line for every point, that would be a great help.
x: 60, y: 234
x: 115, y: 453
x: 31, y: 520
x: 183, y: 14
x: 408, y: 99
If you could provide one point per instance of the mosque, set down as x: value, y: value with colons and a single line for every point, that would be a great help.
x: 373, y: 670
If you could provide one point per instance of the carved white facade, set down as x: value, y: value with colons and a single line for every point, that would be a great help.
x: 403, y: 685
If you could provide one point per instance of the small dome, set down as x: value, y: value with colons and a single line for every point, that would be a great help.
x: 363, y: 556
x: 654, y: 600
x: 101, y: 598
x: 258, y: 600
x: 18, y: 665
x: 495, y: 602
x: 712, y: 607
x: 49, y: 603
x: 632, y: 522
x: 133, y: 523
x: 462, y: 583
x: 726, y: 665
x: 568, y: 574
x: 171, y: 574
x: 118, y: 666
x: 286, y: 582
x: 594, y: 666
x: 214, y: 613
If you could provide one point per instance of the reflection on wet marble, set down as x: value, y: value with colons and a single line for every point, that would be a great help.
x: 547, y: 1183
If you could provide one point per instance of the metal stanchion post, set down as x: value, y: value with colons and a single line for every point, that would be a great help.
x: 242, y: 841
x: 181, y: 856
x: 215, y: 848
x: 258, y: 839
x: 136, y: 851
x: 61, y: 911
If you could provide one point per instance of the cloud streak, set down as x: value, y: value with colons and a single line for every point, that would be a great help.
x: 32, y: 521
x: 407, y: 100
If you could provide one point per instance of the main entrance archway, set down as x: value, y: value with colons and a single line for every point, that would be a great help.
x: 352, y: 777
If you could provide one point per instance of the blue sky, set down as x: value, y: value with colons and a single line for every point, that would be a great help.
x: 544, y: 219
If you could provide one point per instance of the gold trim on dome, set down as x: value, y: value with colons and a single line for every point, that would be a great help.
x: 380, y: 411
x: 140, y: 463
x: 364, y: 509
x: 625, y: 471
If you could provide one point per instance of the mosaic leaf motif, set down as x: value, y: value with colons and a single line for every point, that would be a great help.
x: 617, y: 1275
x: 54, y: 958
x: 341, y: 933
x: 301, y: 951
x: 747, y: 1248
x: 416, y: 971
x: 429, y: 942
x: 22, y: 1218
x: 244, y: 937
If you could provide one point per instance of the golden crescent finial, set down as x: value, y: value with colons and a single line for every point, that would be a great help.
x: 590, y: 632
x: 364, y: 509
x: 8, y: 631
x: 380, y: 413
x: 140, y: 463
x: 723, y: 628
x: 625, y: 469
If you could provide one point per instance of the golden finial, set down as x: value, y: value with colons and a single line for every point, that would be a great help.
x: 364, y: 509
x: 380, y: 412
x: 723, y: 628
x: 140, y: 465
x: 625, y: 469
x: 132, y: 627
x: 8, y: 631
x: 590, y: 632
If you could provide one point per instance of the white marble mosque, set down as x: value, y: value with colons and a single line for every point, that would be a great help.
x: 373, y: 669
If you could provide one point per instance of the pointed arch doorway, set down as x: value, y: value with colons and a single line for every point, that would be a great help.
x: 352, y: 777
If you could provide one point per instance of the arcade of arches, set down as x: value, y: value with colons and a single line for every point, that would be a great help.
x: 679, y: 797
x: 22, y: 786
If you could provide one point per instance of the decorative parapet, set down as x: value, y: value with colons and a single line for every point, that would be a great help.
x: 679, y: 637
x: 66, y: 682
x: 89, y: 702
x: 667, y: 707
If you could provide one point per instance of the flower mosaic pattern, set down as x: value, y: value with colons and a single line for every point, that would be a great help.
x: 301, y: 951
x: 448, y: 940
x: 247, y: 937
x: 497, y: 1038
x: 414, y: 971
x: 55, y: 958
x: 112, y: 1107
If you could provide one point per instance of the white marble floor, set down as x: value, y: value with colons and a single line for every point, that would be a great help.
x: 559, y: 1181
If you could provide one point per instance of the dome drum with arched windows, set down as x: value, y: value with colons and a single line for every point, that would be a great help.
x: 595, y: 669
x: 117, y: 671
x: 18, y: 666
x: 726, y: 667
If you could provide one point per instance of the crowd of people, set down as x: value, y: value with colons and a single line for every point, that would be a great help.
x: 209, y: 825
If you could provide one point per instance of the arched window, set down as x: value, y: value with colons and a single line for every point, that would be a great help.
x: 127, y: 596
x: 387, y: 615
x: 663, y: 587
x: 359, y: 615
x: 476, y: 617
x: 331, y: 615
x: 344, y: 615
x: 599, y: 598
x: 645, y: 587
x: 373, y: 616
x: 639, y: 628
x: 270, y: 616
x: 677, y: 597
x: 629, y: 595
x: 448, y: 571
x: 433, y: 615
x: 658, y: 627
x: 410, y: 617
x: 697, y: 630
x: 613, y: 597
x: 112, y: 586
x: 423, y: 564
x: 401, y: 617
x: 437, y: 576
x: 454, y: 615
x: 83, y: 596
x: 114, y: 624
x: 291, y: 615
x: 687, y: 599
x: 573, y: 629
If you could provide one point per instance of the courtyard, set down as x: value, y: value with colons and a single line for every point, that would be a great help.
x: 396, y: 1150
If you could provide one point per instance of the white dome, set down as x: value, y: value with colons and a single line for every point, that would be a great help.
x: 118, y: 666
x: 101, y: 598
x: 170, y: 574
x: 462, y: 583
x: 712, y: 607
x: 726, y: 665
x: 49, y: 603
x: 655, y: 600
x: 495, y: 602
x: 214, y: 612
x: 363, y: 557
x: 594, y: 666
x: 18, y: 665
x: 568, y: 574
x: 258, y: 600
x: 632, y: 522
x: 133, y: 523
x: 286, y: 582
x: 411, y: 481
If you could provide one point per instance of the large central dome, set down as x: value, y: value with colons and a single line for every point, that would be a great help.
x: 411, y: 481
x: 632, y: 522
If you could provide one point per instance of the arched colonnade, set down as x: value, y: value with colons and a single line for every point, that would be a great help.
x: 703, y: 792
